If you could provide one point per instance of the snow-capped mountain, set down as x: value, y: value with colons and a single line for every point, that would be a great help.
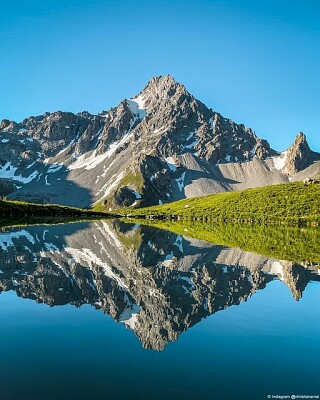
x: 159, y: 146
x: 155, y: 282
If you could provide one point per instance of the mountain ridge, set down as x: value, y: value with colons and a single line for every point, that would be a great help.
x: 159, y: 146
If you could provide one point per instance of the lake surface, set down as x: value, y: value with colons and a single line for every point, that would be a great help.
x: 107, y: 310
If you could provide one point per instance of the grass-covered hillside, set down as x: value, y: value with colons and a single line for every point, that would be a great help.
x: 292, y: 203
x: 22, y: 210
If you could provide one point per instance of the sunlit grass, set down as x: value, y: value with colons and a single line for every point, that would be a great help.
x: 292, y: 203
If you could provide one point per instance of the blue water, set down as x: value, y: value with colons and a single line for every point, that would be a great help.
x: 268, y: 345
x: 205, y: 321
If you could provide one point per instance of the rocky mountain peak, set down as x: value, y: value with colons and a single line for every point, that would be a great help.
x: 299, y: 156
x: 300, y: 142
x: 301, y: 137
x: 8, y: 126
x: 161, y: 84
x: 163, y: 90
x: 4, y: 123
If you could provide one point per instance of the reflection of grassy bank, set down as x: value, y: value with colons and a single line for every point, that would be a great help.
x: 17, y: 213
x: 285, y: 243
x: 19, y: 222
x: 289, y: 204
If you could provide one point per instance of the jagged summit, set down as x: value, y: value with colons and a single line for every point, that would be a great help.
x: 162, y: 94
x: 299, y: 155
x: 159, y: 146
x: 161, y: 85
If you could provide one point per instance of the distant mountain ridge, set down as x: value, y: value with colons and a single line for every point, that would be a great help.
x: 160, y: 146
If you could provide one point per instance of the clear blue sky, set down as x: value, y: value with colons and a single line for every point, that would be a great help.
x: 256, y: 62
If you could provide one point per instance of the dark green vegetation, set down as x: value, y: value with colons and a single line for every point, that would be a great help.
x: 300, y: 245
x: 21, y: 212
x: 289, y: 204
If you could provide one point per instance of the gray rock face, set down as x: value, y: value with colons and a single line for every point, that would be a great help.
x: 155, y: 282
x: 162, y: 145
x: 299, y: 155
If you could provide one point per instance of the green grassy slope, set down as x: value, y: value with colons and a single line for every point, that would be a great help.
x: 292, y: 203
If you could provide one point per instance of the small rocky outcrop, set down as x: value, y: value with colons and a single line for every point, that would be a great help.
x: 310, y: 181
x: 124, y: 197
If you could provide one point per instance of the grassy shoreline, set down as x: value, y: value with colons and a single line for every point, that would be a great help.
x: 38, y: 221
x: 285, y: 204
x: 282, y: 241
x: 18, y: 210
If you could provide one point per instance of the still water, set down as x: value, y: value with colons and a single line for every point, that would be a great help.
x: 107, y: 310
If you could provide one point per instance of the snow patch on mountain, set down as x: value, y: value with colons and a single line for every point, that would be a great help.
x: 277, y: 269
x: 137, y: 107
x: 194, y: 141
x: 54, y: 168
x: 111, y: 184
x: 8, y: 171
x: 138, y: 197
x: 280, y: 161
x: 171, y: 164
x: 168, y: 260
x: 180, y: 181
x: 93, y: 160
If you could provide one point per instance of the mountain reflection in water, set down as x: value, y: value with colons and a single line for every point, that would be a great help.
x: 154, y: 281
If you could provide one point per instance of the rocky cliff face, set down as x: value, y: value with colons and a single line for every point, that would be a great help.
x: 299, y: 156
x: 155, y: 282
x: 160, y: 146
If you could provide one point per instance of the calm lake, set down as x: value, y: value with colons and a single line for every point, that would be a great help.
x: 109, y: 310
